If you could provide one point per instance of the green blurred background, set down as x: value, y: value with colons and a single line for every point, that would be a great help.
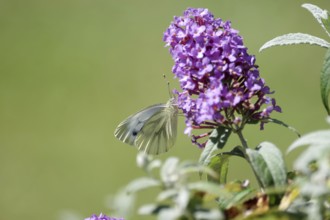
x: 72, y: 70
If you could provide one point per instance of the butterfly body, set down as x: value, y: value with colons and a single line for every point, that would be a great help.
x: 152, y: 130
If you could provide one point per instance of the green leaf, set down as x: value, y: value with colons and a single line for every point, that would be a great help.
x: 322, y: 16
x: 315, y: 156
x: 314, y: 138
x: 169, y: 169
x: 143, y: 160
x: 213, y: 214
x: 122, y: 203
x: 268, y: 164
x: 167, y: 194
x: 170, y: 213
x: 141, y: 183
x: 236, y: 152
x: 150, y: 209
x: 187, y: 168
x: 275, y: 162
x: 325, y: 81
x: 219, y: 163
x: 260, y: 168
x: 326, y: 23
x: 276, y: 121
x: 209, y: 187
x: 182, y: 199
x: 236, y: 199
x: 295, y: 38
x: 217, y: 140
x: 153, y: 164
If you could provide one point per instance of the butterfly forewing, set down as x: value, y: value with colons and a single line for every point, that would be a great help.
x: 128, y: 130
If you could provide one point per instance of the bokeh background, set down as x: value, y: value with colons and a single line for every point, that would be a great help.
x: 71, y: 70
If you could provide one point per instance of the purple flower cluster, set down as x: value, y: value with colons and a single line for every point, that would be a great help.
x: 220, y: 80
x: 102, y: 217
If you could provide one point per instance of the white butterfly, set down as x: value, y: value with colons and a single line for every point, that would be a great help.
x: 152, y: 130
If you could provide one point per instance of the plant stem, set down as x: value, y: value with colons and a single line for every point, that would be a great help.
x: 240, y: 135
x: 246, y: 156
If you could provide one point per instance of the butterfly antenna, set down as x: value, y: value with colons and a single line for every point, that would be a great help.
x: 168, y: 86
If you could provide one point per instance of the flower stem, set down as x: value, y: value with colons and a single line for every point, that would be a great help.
x: 242, y: 139
x: 246, y: 156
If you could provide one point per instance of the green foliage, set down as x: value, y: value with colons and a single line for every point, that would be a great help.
x: 317, y: 139
x: 219, y: 164
x: 295, y: 38
x: 279, y: 122
x: 313, y: 174
x: 178, y: 195
x: 217, y: 140
x: 239, y: 194
x: 268, y: 164
x: 323, y: 18
x: 142, y: 183
x: 325, y: 81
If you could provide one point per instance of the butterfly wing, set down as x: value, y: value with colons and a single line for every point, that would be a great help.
x: 158, y: 134
x: 128, y: 130
x: 152, y: 130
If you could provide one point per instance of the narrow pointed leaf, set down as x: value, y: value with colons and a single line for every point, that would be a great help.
x: 237, y: 198
x: 295, y: 38
x: 148, y: 209
x: 141, y: 183
x: 325, y: 81
x: 194, y: 168
x: 321, y: 16
x: 237, y: 151
x: 217, y: 140
x: 276, y: 121
x: 167, y: 194
x: 315, y: 138
x: 326, y: 23
x: 288, y: 198
x: 153, y: 164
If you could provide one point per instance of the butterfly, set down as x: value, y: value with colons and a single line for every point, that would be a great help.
x: 152, y: 130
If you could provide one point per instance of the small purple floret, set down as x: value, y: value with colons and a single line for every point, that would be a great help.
x: 102, y: 217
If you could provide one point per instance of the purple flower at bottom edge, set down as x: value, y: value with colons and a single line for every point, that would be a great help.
x: 102, y: 217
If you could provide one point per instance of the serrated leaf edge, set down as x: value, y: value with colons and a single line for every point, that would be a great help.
x: 295, y: 38
x: 318, y: 14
